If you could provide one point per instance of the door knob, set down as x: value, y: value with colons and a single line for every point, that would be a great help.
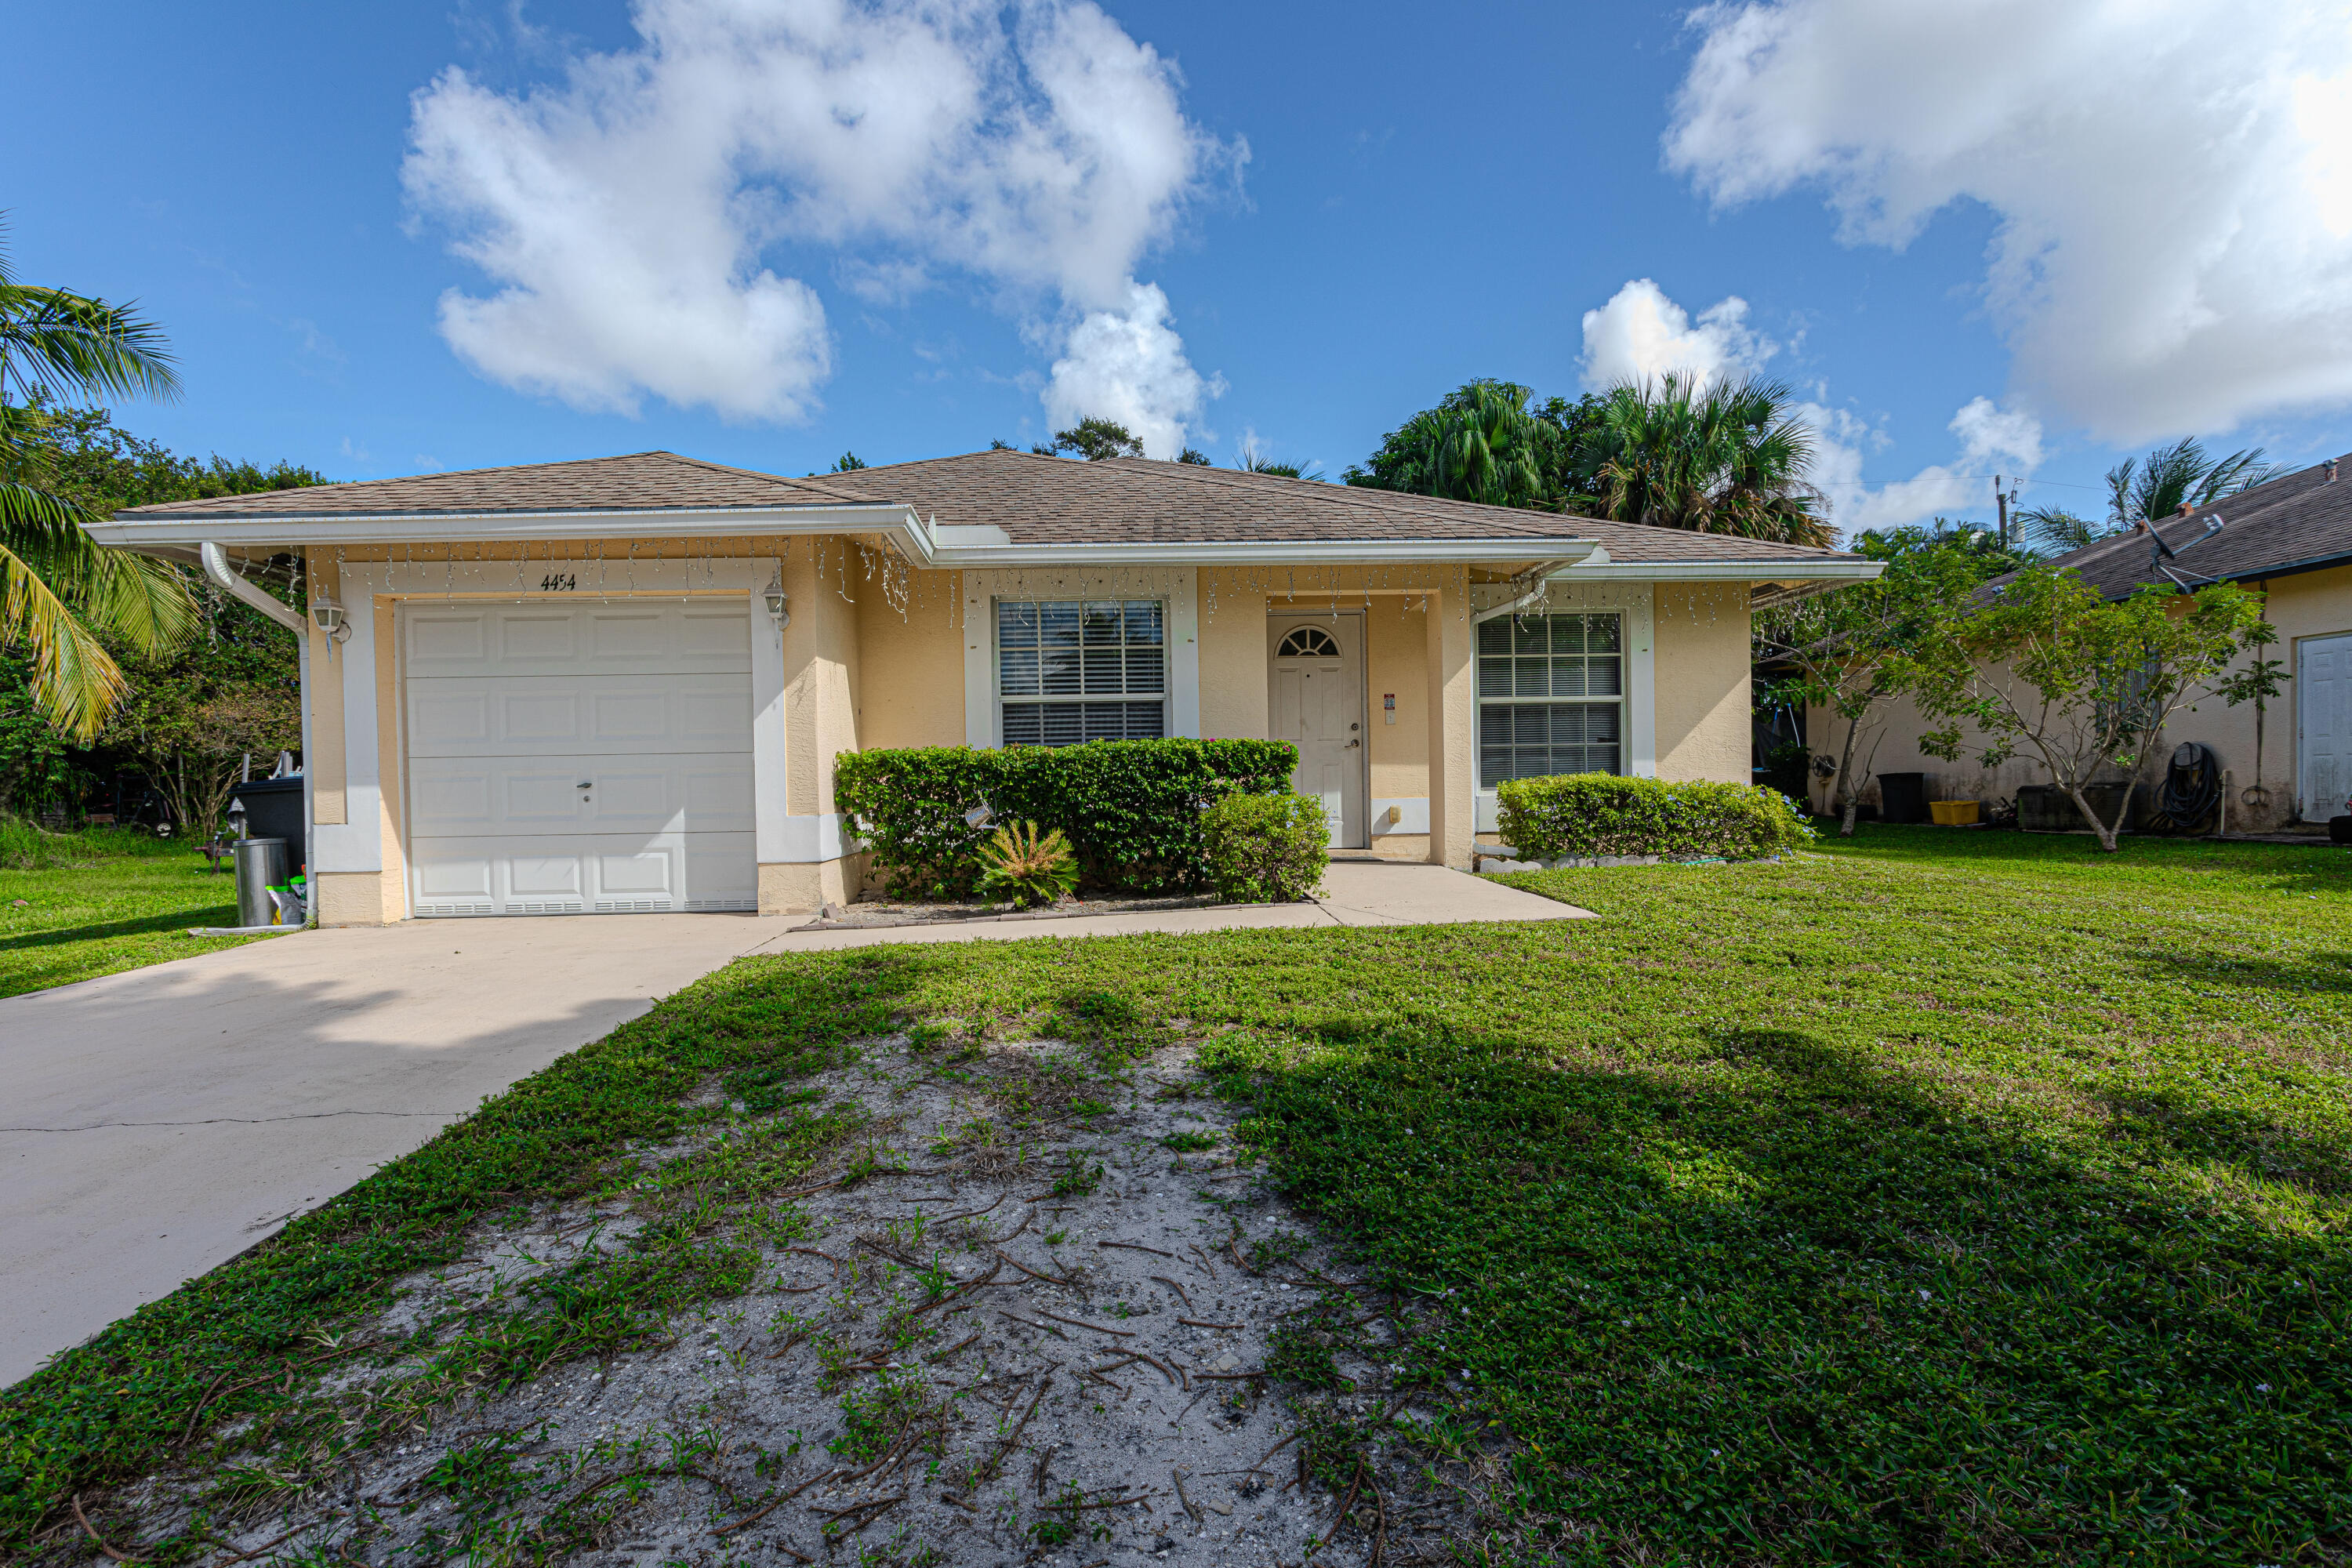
x: 1351, y: 745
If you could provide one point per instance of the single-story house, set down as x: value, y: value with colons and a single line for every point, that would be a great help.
x: 620, y: 684
x: 2290, y: 761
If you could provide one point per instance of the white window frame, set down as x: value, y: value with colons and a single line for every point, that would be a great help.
x: 1638, y: 751
x: 1176, y: 588
x: 1079, y: 698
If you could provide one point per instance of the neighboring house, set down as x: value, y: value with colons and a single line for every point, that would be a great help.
x: 620, y: 685
x: 2291, y: 540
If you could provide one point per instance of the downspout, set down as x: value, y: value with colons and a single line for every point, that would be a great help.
x: 217, y: 568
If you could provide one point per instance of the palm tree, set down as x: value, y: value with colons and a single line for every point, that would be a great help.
x: 1253, y: 461
x: 1726, y: 457
x: 2155, y: 486
x: 2149, y: 488
x: 59, y: 590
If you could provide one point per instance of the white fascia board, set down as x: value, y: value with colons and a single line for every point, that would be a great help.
x: 1723, y: 571
x: 946, y: 547
x: 435, y: 527
x: 1322, y: 553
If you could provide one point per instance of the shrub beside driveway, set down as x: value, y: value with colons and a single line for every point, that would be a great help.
x: 1934, y: 1197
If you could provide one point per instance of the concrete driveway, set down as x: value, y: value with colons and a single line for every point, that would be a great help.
x: 159, y: 1123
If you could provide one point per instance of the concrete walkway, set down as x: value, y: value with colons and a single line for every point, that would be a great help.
x: 159, y: 1122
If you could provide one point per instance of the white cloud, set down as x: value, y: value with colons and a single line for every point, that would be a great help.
x: 624, y: 212
x: 1641, y: 335
x: 1129, y: 366
x: 1993, y: 440
x: 2172, y: 178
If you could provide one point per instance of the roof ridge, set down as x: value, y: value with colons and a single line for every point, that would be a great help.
x: 1325, y: 490
x: 812, y: 484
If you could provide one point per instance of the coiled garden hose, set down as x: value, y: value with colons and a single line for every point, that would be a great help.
x: 2192, y: 787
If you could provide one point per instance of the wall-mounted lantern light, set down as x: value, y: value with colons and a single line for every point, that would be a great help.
x: 330, y: 618
x: 777, y: 601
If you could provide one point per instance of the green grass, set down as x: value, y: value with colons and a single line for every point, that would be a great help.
x: 1937, y: 1198
x: 100, y: 901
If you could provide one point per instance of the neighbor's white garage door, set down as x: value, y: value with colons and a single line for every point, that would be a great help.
x: 579, y: 759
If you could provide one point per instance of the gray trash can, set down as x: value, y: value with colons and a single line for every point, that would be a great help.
x: 260, y: 866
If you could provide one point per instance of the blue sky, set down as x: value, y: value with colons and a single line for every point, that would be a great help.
x: 1348, y: 209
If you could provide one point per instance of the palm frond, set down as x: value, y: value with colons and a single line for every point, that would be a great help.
x: 73, y: 341
x: 75, y: 681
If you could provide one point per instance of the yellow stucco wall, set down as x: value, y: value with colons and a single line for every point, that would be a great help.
x: 911, y: 665
x: 1700, y: 669
x: 1396, y: 640
x: 1233, y: 657
x: 2308, y: 604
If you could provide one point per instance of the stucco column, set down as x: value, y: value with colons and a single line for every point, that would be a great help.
x: 1453, y: 715
x: 819, y: 650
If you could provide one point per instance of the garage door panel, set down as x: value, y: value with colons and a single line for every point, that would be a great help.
x: 537, y: 876
x: 538, y: 718
x: 461, y: 799
x: 577, y: 714
x: 648, y: 797
x: 538, y: 636
x: 718, y: 794
x: 541, y: 639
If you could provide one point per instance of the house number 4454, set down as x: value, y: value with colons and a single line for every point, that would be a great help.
x: 558, y: 583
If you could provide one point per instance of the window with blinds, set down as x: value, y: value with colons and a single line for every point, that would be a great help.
x: 1074, y: 671
x: 1550, y: 697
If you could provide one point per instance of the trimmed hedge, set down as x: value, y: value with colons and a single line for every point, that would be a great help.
x: 1131, y: 809
x: 1586, y: 816
x: 1266, y: 849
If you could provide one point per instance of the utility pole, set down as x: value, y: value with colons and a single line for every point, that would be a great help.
x: 2001, y: 499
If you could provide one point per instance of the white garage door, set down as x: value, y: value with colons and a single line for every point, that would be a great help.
x: 589, y: 759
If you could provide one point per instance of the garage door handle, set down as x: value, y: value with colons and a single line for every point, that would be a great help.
x: 583, y: 786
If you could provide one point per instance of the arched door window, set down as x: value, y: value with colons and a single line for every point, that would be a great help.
x: 1308, y: 642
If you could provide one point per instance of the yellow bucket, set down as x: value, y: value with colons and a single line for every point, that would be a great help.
x: 1955, y: 812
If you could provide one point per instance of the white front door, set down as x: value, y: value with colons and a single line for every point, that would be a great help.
x: 579, y: 759
x: 1316, y: 701
x: 2323, y: 706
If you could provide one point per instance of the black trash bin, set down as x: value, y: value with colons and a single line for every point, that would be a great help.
x: 1902, y: 797
x: 273, y: 809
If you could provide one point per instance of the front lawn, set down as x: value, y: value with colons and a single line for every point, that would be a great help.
x: 96, y: 902
x: 1938, y: 1197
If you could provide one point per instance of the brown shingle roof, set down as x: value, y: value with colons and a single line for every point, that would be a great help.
x: 1034, y: 499
x: 637, y: 482
x: 1061, y: 501
x: 2294, y: 523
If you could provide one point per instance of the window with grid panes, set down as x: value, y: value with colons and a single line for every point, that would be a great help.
x: 1551, y: 692
x: 1074, y: 671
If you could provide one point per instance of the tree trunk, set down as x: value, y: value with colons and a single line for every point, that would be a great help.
x: 2107, y: 832
x: 1851, y: 790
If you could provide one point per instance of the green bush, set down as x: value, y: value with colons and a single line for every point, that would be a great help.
x: 1586, y: 816
x: 1266, y: 849
x: 1131, y: 809
x: 28, y: 846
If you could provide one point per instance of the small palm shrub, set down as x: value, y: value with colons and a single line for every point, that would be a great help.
x: 1027, y: 866
x: 1266, y: 849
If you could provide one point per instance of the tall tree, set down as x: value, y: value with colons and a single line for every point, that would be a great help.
x: 2044, y: 666
x: 1851, y: 652
x: 1714, y: 457
x: 239, y: 665
x: 59, y: 591
x: 1254, y: 461
x: 1096, y: 438
x: 1487, y: 441
x: 2149, y: 488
